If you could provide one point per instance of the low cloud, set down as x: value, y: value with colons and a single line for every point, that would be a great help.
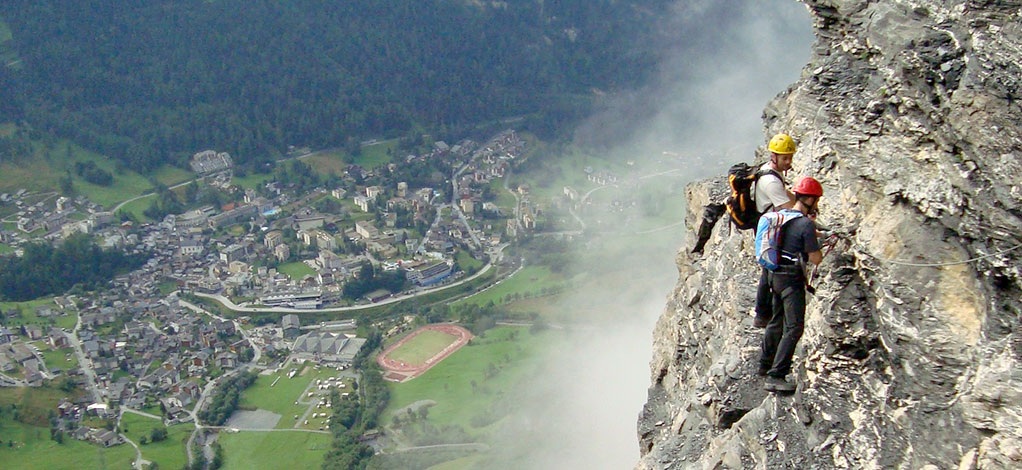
x: 722, y: 62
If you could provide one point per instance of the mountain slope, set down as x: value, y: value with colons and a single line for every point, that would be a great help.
x: 908, y: 113
x: 148, y: 81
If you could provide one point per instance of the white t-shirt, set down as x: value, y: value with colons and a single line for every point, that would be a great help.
x: 769, y: 191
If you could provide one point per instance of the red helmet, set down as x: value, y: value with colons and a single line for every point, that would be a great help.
x: 809, y: 187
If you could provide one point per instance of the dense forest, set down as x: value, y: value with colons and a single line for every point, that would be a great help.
x: 153, y: 81
x: 45, y: 270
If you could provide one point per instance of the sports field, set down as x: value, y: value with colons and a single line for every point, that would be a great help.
x: 423, y: 346
x: 411, y: 356
x: 469, y: 385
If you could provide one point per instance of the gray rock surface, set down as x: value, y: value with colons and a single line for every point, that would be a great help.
x: 909, y: 114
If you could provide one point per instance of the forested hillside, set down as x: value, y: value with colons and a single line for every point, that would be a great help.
x: 152, y: 81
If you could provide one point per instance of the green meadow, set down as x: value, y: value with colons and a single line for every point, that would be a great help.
x: 168, y: 453
x: 255, y: 450
x: 296, y: 270
x: 30, y: 448
x: 473, y: 387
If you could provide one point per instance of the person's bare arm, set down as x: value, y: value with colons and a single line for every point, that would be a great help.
x: 816, y: 257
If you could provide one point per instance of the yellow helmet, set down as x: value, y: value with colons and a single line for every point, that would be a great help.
x: 782, y: 144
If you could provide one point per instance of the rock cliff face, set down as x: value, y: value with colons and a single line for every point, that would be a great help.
x: 909, y: 114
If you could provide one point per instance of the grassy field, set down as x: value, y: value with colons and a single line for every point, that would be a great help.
x: 467, y: 262
x: 281, y: 397
x: 28, y: 315
x: 168, y: 453
x: 424, y: 345
x: 504, y: 199
x: 138, y: 206
x: 5, y: 249
x: 458, y: 464
x: 530, y: 280
x: 172, y: 175
x: 273, y: 450
x: 34, y: 404
x: 42, y: 171
x: 296, y: 270
x: 32, y: 449
x: 5, y: 32
x: 252, y: 181
x: 62, y: 358
x: 473, y: 380
x: 336, y: 160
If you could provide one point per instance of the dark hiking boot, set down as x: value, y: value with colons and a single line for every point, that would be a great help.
x: 779, y: 385
x: 760, y: 322
x: 762, y: 371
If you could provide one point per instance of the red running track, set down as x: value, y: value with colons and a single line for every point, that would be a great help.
x: 398, y: 371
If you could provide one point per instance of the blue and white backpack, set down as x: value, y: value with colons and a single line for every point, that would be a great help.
x: 768, y: 236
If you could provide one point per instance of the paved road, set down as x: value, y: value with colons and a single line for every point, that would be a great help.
x: 211, y: 386
x: 138, y: 462
x: 83, y: 362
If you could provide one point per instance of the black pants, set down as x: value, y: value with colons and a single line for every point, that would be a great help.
x: 764, y: 301
x: 787, y: 288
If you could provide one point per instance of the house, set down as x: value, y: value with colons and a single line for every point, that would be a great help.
x: 33, y: 332
x: 325, y: 241
x: 273, y: 238
x: 402, y: 189
x: 363, y: 203
x: 234, y: 252
x: 373, y: 191
x: 282, y: 252
x: 190, y: 248
x: 329, y: 260
x: 58, y: 339
x: 339, y: 193
x: 290, y: 326
x: 200, y: 359
x: 366, y: 229
x: 227, y: 361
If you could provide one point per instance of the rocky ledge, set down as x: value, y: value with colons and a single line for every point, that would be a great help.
x: 909, y: 114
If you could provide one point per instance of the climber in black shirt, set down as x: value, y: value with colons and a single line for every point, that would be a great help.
x: 798, y: 244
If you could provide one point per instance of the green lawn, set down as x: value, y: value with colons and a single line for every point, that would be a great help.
x: 28, y: 315
x: 252, y: 450
x: 166, y: 287
x: 505, y: 200
x: 171, y: 175
x: 34, y: 404
x: 5, y: 249
x: 63, y: 358
x: 168, y: 453
x: 296, y: 270
x: 510, y: 351
x: 424, y: 345
x: 529, y: 281
x: 33, y: 450
x: 467, y: 262
x: 458, y: 464
x: 252, y: 180
x: 43, y: 170
x: 5, y: 32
